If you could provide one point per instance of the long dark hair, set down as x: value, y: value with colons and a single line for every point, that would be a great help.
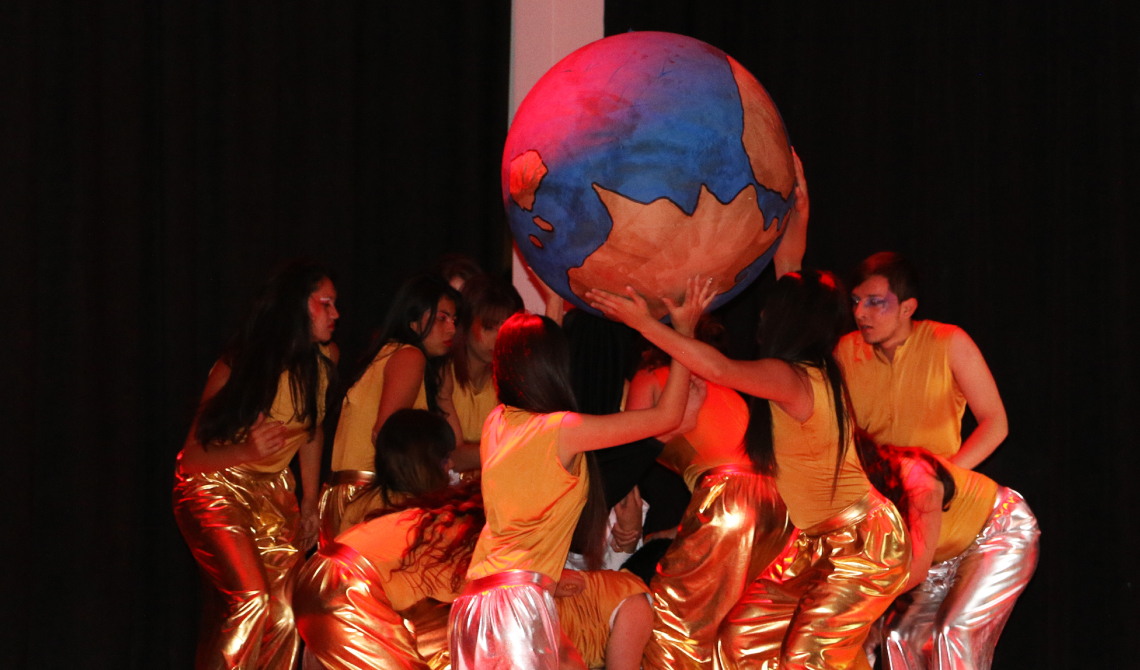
x: 411, y: 448
x: 489, y: 299
x: 531, y: 371
x: 276, y: 337
x: 803, y: 319
x: 883, y: 465
x: 447, y: 530
x: 415, y: 297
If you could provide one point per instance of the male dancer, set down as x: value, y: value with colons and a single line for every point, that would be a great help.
x: 910, y: 381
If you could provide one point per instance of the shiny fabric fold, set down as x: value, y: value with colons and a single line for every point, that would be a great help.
x: 953, y: 620
x: 346, y: 619
x: 735, y: 525
x: 342, y: 486
x: 241, y: 527
x: 812, y: 608
x: 507, y: 621
x: 587, y: 617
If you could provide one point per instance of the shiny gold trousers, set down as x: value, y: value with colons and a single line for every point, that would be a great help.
x: 241, y: 527
x: 812, y: 608
x: 345, y: 617
x: 953, y: 620
x: 508, y: 621
x: 735, y: 525
x: 342, y: 486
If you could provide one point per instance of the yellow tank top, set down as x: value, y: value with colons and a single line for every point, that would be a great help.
x: 472, y: 407
x: 532, y: 502
x: 805, y: 458
x: 969, y: 511
x: 383, y: 542
x: 353, y: 448
x: 296, y: 429
x: 912, y: 401
x: 718, y: 438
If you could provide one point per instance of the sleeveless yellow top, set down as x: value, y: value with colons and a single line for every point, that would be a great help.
x: 532, y: 502
x: 383, y: 541
x: 717, y: 439
x: 805, y: 460
x: 353, y: 448
x: 296, y: 429
x: 912, y: 401
x: 970, y: 510
x: 472, y: 408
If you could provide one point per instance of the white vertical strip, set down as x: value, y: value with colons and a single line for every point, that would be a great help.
x: 543, y: 32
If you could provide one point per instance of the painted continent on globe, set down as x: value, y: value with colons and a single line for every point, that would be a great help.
x: 643, y: 159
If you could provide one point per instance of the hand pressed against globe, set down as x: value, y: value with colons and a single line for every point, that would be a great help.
x: 699, y: 295
x: 634, y: 311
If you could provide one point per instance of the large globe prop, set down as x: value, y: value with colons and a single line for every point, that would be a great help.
x: 641, y: 160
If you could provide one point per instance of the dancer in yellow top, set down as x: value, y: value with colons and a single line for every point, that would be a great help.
x: 851, y: 556
x: 535, y: 486
x: 401, y: 370
x: 911, y: 381
x: 233, y: 494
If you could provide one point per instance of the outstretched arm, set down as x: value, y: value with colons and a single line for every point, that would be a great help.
x: 766, y: 378
x: 790, y: 255
x: 977, y: 383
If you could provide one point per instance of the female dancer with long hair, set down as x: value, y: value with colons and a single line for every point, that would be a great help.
x: 233, y: 494
x: 975, y: 550
x: 400, y: 370
x: 467, y: 394
x: 734, y: 526
x: 402, y: 563
x: 535, y: 484
x: 851, y: 556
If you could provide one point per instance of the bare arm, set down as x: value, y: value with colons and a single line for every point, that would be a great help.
x: 924, y: 519
x: 266, y: 436
x: 402, y: 378
x: 586, y: 432
x: 790, y: 255
x: 766, y: 378
x: 309, y: 456
x: 466, y: 454
x: 977, y: 383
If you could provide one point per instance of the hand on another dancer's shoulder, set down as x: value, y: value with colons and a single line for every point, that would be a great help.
x: 698, y: 296
x: 633, y: 311
x: 266, y: 437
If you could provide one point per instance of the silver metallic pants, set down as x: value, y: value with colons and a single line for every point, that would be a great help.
x: 952, y: 621
x: 507, y: 621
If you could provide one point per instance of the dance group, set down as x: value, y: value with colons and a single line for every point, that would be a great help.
x: 835, y: 515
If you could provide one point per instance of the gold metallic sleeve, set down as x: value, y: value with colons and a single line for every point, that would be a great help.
x: 346, y: 619
x: 814, y: 606
x: 241, y: 526
x: 734, y: 527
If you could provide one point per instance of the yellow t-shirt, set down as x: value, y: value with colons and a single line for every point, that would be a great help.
x: 296, y: 428
x: 353, y: 448
x: 805, y: 458
x: 970, y: 509
x: 912, y: 401
x: 472, y: 407
x: 532, y: 502
x: 717, y: 439
x: 383, y: 542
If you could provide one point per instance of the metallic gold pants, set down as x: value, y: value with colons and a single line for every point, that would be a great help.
x: 346, y: 619
x: 952, y: 621
x: 241, y: 526
x: 335, y: 497
x: 508, y: 621
x: 735, y: 525
x: 813, y: 607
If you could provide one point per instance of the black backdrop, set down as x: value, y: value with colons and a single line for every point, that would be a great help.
x: 159, y: 158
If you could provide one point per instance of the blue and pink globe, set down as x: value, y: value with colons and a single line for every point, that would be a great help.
x: 643, y: 159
